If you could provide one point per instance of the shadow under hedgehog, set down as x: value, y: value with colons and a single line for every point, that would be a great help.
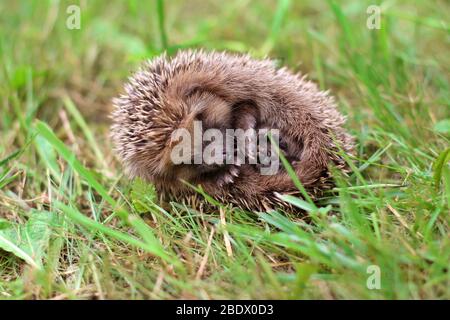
x: 227, y: 91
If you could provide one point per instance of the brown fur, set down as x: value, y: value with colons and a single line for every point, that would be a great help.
x: 226, y: 91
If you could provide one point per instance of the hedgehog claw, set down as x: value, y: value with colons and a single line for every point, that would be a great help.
x: 234, y: 171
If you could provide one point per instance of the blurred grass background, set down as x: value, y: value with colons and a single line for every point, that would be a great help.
x: 71, y: 226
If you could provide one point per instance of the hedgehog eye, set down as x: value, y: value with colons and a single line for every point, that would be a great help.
x: 191, y: 91
x: 283, y: 145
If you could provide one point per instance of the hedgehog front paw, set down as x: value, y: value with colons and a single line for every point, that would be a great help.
x: 228, y: 176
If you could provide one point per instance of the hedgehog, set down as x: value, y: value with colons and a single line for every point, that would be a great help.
x: 227, y: 91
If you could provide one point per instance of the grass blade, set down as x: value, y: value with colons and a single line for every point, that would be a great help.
x: 45, y: 131
x: 78, y: 217
x: 280, y: 15
x: 161, y: 23
x: 72, y: 109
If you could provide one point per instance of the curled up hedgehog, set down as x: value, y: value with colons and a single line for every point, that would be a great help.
x: 199, y: 95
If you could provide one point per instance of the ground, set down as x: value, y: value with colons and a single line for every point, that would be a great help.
x: 73, y: 226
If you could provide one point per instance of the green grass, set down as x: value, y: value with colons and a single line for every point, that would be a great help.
x: 72, y: 226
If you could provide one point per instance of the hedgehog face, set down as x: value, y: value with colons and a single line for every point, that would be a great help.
x: 207, y: 113
x: 211, y: 110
